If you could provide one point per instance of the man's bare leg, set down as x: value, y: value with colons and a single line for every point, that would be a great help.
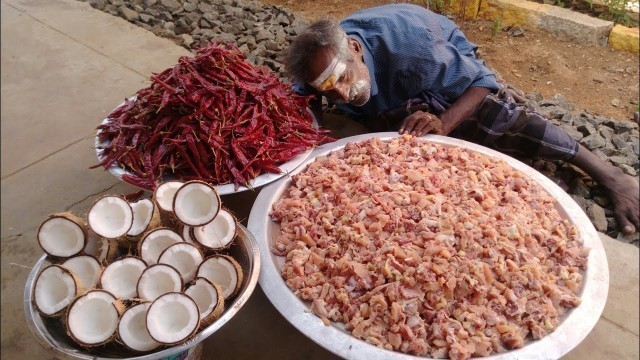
x: 623, y: 189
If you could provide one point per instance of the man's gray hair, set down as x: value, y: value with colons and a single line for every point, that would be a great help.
x: 324, y: 33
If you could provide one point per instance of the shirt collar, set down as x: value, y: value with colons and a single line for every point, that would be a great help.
x: 368, y: 61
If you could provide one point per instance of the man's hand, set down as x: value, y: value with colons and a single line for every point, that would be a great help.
x: 421, y: 123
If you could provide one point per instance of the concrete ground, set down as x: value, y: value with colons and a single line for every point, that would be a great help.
x: 65, y: 66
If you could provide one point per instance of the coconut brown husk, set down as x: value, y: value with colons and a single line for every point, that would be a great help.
x: 85, y: 286
x: 70, y: 217
x: 218, y: 308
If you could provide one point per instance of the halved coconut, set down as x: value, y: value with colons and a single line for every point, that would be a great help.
x: 105, y: 250
x: 121, y: 277
x: 155, y: 242
x: 55, y: 289
x: 111, y: 217
x: 196, y: 203
x: 184, y: 257
x: 209, y: 298
x: 173, y: 318
x: 157, y: 280
x: 62, y: 235
x: 186, y: 234
x: 219, y: 233
x: 163, y: 196
x: 146, y: 216
x: 86, y: 268
x: 92, y: 319
x: 224, y: 271
x: 132, y: 329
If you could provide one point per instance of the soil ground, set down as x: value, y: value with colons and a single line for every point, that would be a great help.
x: 597, y: 79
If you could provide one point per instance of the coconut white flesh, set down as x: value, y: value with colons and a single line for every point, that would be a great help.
x: 54, y: 290
x: 157, y: 280
x: 59, y: 236
x: 121, y: 277
x: 165, y: 193
x: 217, y: 234
x: 156, y: 242
x: 86, y: 268
x: 196, y: 203
x: 142, y: 215
x: 205, y: 296
x: 132, y: 329
x: 186, y: 234
x: 220, y: 271
x: 93, y: 318
x: 172, y: 318
x: 111, y: 217
x: 184, y: 257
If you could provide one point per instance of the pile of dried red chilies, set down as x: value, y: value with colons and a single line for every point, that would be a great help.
x: 213, y: 117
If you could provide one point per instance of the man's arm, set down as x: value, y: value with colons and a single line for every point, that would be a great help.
x: 462, y: 108
x: 421, y: 123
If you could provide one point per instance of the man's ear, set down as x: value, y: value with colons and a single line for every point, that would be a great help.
x: 355, y: 45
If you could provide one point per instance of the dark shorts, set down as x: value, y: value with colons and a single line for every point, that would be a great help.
x: 504, y: 125
x: 500, y: 123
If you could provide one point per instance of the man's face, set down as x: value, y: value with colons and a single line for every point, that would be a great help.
x: 341, y: 81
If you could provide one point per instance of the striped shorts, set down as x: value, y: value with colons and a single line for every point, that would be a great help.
x: 499, y: 123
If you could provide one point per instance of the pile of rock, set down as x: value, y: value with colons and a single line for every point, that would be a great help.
x: 263, y: 31
x: 260, y: 31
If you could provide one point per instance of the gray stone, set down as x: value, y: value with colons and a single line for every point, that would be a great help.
x: 636, y: 117
x: 272, y: 45
x: 597, y: 216
x: 582, y: 202
x: 552, y: 112
x: 205, y: 8
x: 128, y: 14
x: 186, y: 40
x: 182, y: 27
x: 575, y: 134
x: 262, y: 35
x: 620, y: 142
x: 606, y: 132
x: 189, y: 7
x: 586, y: 129
x: 624, y: 126
x: 98, y: 4
x: 628, y: 169
x: 169, y: 26
x: 581, y: 189
x: 593, y: 142
x: 171, y: 5
x: 602, y: 200
x: 205, y: 24
x: 581, y: 28
x: 150, y: 2
x: 619, y: 160
x: 146, y: 18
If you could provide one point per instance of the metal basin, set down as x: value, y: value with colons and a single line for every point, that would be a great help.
x: 52, y: 335
x: 576, y: 325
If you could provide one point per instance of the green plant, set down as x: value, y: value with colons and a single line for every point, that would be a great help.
x: 497, y: 25
x: 616, y: 11
x: 439, y: 4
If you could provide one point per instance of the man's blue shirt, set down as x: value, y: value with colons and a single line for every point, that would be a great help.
x: 410, y: 50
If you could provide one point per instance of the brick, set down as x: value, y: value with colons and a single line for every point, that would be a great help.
x: 624, y: 38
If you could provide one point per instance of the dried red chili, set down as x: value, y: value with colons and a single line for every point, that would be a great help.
x: 212, y: 117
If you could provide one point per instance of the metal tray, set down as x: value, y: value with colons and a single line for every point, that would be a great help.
x: 52, y: 335
x: 576, y: 325
x: 223, y: 189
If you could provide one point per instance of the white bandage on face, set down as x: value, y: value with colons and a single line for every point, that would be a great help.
x: 330, y: 75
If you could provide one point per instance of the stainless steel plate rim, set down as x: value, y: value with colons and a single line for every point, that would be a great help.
x: 223, y: 189
x: 572, y: 330
x: 45, y: 338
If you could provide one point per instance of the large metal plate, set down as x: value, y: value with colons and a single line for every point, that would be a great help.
x: 117, y: 171
x: 51, y: 334
x: 571, y: 331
